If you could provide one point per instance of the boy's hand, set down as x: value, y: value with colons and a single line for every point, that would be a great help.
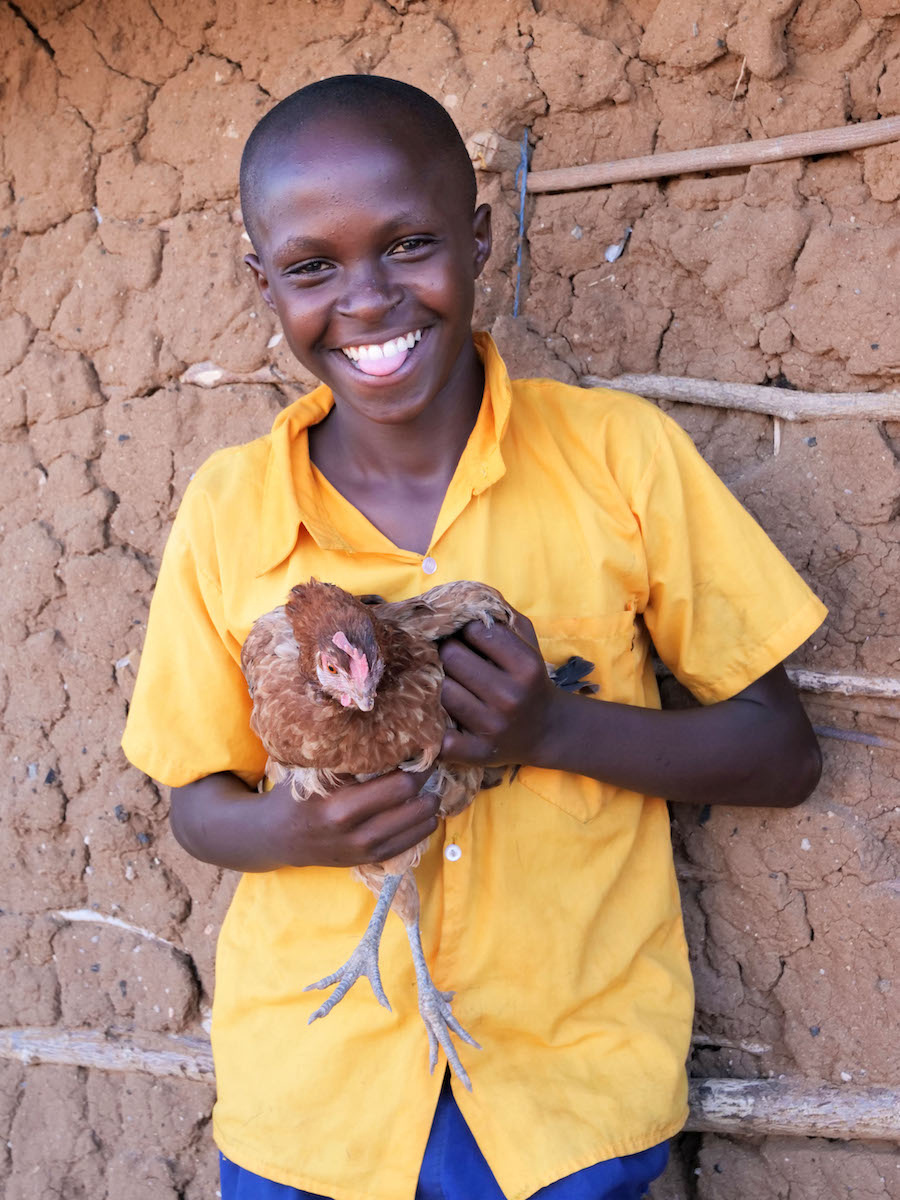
x: 360, y: 823
x: 497, y: 689
x: 219, y: 819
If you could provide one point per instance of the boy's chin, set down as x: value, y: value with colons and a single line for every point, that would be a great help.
x: 385, y: 410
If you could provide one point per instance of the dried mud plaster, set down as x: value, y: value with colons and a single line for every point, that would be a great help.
x: 120, y: 269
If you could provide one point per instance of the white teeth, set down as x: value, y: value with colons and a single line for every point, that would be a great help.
x: 406, y: 341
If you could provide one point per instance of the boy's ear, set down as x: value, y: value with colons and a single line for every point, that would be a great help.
x: 262, y: 281
x: 481, y: 228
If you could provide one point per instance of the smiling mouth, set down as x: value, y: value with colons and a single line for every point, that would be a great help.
x: 382, y: 358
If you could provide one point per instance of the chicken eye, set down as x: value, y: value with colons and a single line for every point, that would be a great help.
x: 331, y: 668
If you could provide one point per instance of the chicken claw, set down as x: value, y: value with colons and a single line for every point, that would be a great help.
x: 363, y: 960
x: 436, y: 1014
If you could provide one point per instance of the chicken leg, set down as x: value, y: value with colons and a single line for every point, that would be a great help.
x: 434, y: 1009
x: 434, y: 1005
x: 363, y: 960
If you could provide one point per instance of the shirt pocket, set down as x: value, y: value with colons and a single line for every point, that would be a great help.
x: 610, y: 642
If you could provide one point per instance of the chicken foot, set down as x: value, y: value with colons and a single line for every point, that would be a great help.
x: 434, y: 1009
x: 363, y: 960
x: 434, y: 1005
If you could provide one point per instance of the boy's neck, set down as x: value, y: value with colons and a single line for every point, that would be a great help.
x: 397, y: 475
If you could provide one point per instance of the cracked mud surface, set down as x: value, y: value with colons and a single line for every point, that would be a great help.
x: 120, y: 268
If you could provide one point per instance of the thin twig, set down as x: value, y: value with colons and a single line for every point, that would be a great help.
x: 739, y: 81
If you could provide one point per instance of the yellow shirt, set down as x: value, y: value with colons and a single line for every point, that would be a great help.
x: 559, y: 924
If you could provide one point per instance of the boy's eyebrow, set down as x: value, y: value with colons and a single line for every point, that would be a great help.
x: 301, y: 244
x: 297, y: 245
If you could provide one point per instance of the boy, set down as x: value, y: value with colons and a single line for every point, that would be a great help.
x: 551, y: 903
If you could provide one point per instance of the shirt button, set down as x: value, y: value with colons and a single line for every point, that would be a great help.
x: 429, y: 566
x: 452, y: 853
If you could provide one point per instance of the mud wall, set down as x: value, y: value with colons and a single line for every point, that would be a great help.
x: 120, y: 272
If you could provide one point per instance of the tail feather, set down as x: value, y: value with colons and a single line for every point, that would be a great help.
x: 571, y: 676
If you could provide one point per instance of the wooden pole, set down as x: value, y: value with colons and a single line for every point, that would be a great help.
x: 740, y: 1107
x: 752, y: 397
x: 184, y: 1057
x: 793, y: 1108
x: 830, y: 683
x: 718, y: 158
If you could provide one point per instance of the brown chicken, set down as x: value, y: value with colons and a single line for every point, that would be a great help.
x: 345, y: 690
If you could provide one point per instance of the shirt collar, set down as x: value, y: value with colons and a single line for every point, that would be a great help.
x: 291, y: 496
x: 494, y: 415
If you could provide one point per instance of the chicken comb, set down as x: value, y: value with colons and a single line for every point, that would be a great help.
x: 359, y: 664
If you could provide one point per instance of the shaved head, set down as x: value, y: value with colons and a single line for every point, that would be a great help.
x: 396, y: 109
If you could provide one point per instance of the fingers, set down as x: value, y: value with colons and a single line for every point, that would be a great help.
x: 384, y: 848
x: 473, y: 672
x: 524, y: 628
x: 358, y: 802
x: 497, y: 691
x: 467, y: 709
x: 382, y: 817
x: 494, y: 663
x: 461, y: 747
x: 501, y: 644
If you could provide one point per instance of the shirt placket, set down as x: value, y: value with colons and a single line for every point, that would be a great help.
x: 457, y: 862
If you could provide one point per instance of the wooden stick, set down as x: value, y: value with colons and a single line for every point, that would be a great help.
x: 879, y: 687
x: 752, y: 397
x: 210, y: 374
x: 749, y: 397
x: 828, y: 683
x: 743, y: 1107
x: 793, y: 1108
x: 92, y: 916
x: 718, y: 158
x: 724, y: 1043
x: 185, y: 1057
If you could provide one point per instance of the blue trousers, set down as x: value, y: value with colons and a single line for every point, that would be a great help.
x: 455, y: 1169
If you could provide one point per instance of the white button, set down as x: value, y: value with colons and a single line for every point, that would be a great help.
x: 429, y: 566
x: 452, y: 853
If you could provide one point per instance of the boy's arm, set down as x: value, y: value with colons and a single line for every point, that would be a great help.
x: 755, y: 748
x: 220, y: 820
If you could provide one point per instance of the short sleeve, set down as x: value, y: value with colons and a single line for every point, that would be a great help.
x: 724, y: 605
x: 190, y: 712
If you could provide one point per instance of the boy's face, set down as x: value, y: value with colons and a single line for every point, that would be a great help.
x: 366, y: 241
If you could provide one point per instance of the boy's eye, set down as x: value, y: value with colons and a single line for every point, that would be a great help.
x: 313, y: 266
x: 410, y: 245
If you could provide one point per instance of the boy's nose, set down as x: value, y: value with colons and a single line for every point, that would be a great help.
x: 369, y: 294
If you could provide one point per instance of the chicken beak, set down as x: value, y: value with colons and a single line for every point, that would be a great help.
x: 365, y: 703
